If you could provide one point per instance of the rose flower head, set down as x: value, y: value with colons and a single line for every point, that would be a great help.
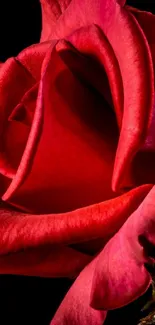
x: 77, y: 156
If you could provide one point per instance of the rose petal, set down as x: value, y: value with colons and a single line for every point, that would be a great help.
x: 121, y: 275
x: 147, y: 23
x: 77, y: 171
x: 25, y: 109
x: 143, y: 163
x: 134, y: 57
x: 51, y: 11
x: 21, y: 231
x: 89, y: 12
x: 15, y: 80
x: 17, y: 76
x: 45, y: 261
x: 13, y: 146
x: 136, y: 117
x: 75, y: 308
x: 19, y: 122
x: 32, y: 58
x: 92, y: 43
x: 121, y: 2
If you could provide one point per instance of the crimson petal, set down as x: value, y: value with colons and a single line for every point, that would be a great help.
x: 62, y: 177
x: 133, y: 53
x: 143, y: 162
x: 75, y: 308
x: 15, y: 80
x: 19, y: 231
x: 45, y: 261
x: 32, y: 54
x: 121, y: 275
x: 51, y: 11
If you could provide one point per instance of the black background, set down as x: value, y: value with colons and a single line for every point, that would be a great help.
x: 28, y: 300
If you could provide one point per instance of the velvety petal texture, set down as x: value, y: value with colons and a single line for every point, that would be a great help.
x: 45, y: 261
x: 51, y: 12
x: 121, y: 274
x: 70, y: 106
x: 75, y: 308
x: 132, y: 50
x: 117, y: 276
x: 77, y: 156
x: 19, y: 231
x: 19, y: 81
x: 144, y: 171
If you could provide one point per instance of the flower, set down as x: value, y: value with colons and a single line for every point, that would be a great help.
x: 77, y: 156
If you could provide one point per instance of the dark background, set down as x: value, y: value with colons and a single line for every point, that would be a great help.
x: 28, y: 300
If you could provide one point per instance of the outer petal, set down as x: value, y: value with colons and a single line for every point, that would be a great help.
x: 147, y: 23
x: 45, y: 261
x: 138, y: 104
x: 89, y: 12
x: 144, y: 161
x: 75, y: 308
x: 121, y: 275
x: 20, y: 232
x: 51, y: 11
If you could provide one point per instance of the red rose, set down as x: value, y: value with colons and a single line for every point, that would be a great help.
x: 76, y: 155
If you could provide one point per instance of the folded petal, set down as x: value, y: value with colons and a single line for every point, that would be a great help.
x: 17, y: 77
x: 147, y: 22
x: 71, y: 148
x: 133, y: 53
x: 15, y: 80
x: 121, y: 273
x: 18, y: 123
x: 143, y: 163
x: 24, y: 111
x: 32, y: 58
x: 20, y: 231
x: 138, y: 96
x: 92, y: 43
